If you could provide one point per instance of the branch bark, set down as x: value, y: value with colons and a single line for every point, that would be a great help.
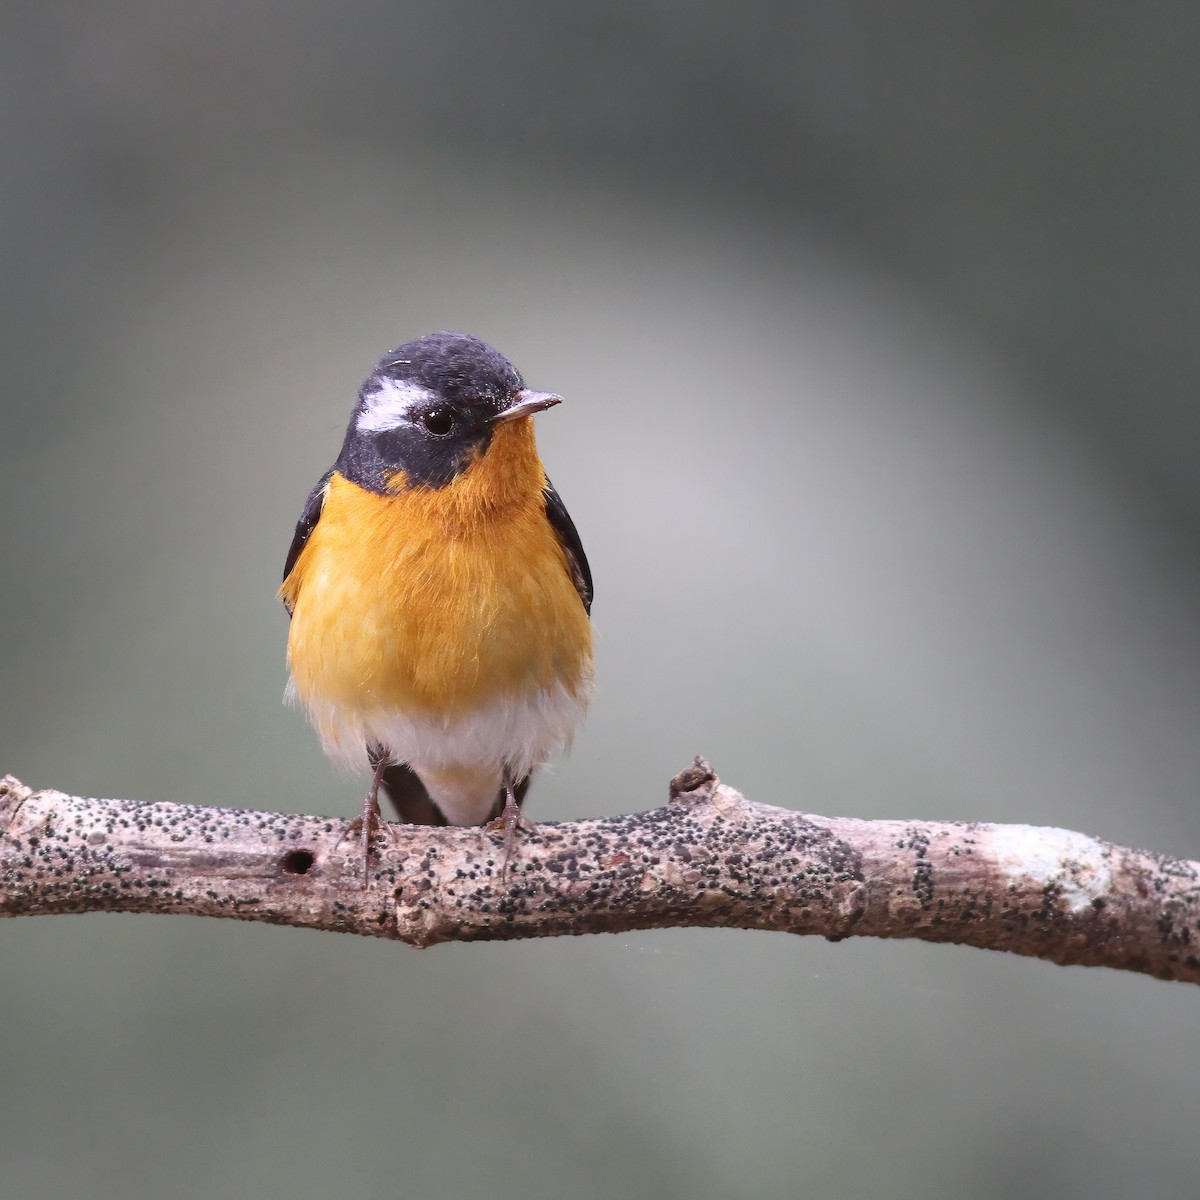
x: 708, y: 858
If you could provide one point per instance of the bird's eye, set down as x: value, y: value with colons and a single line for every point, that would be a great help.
x: 438, y: 422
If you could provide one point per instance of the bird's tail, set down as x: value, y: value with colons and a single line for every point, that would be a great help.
x: 411, y: 801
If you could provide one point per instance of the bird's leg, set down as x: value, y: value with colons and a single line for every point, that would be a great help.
x: 371, y: 816
x: 509, y: 821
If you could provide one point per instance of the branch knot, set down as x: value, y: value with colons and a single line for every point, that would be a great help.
x: 694, y: 784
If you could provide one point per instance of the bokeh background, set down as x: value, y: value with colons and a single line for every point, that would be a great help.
x: 878, y: 329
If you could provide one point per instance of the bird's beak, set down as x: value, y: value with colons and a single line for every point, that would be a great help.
x: 526, y: 404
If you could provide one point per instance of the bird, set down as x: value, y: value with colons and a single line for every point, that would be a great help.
x: 439, y: 595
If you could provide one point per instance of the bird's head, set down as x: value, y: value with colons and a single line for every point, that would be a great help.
x: 430, y: 409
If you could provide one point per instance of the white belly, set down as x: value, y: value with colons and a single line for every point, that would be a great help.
x: 462, y: 760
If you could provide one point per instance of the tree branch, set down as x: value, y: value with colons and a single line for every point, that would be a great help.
x: 709, y: 858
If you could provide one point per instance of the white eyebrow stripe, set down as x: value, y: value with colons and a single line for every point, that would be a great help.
x: 391, y: 405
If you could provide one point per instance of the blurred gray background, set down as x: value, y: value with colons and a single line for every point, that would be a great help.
x: 878, y: 330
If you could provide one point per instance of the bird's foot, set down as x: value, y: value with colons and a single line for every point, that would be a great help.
x: 370, y: 822
x: 508, y: 823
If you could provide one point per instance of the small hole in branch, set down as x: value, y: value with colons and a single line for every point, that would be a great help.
x: 297, y: 862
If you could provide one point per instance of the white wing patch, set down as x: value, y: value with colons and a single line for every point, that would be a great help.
x: 391, y: 406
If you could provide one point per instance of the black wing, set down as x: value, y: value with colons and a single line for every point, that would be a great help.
x: 568, y: 537
x: 306, y: 524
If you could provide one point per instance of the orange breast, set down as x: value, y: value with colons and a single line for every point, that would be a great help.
x: 434, y: 601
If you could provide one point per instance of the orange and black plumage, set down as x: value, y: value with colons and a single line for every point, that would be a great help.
x: 438, y: 590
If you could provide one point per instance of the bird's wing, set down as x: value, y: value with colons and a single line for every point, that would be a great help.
x: 568, y: 537
x: 304, y: 527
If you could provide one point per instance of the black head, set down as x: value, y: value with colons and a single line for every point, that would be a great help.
x: 429, y: 408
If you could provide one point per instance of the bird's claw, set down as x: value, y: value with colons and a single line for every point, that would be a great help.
x: 509, y: 822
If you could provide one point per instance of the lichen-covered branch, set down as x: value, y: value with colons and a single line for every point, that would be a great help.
x: 708, y: 858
